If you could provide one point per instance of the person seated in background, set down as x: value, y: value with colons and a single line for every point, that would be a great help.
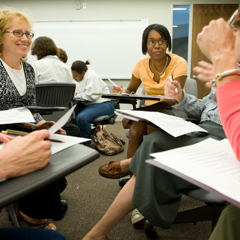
x: 153, y: 71
x: 18, y: 90
x: 62, y: 55
x: 154, y: 192
x: 221, y: 45
x: 48, y: 68
x: 18, y: 157
x: 89, y: 106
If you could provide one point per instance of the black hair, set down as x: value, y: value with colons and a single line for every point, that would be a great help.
x: 80, y: 66
x: 161, y: 30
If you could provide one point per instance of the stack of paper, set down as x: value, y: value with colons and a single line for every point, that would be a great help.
x: 210, y: 164
x: 173, y: 125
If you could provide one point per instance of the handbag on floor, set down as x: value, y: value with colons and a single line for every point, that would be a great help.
x: 107, y: 142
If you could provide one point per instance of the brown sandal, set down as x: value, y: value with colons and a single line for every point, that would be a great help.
x: 46, y: 224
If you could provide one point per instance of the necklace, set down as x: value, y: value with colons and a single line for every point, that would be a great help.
x: 164, y: 68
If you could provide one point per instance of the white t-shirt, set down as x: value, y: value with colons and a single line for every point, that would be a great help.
x: 18, y: 78
x: 51, y: 69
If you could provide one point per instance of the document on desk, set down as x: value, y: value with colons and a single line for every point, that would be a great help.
x: 66, y: 141
x: 16, y: 115
x: 210, y: 164
x: 173, y: 125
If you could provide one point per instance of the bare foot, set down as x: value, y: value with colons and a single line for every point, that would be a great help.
x: 125, y: 165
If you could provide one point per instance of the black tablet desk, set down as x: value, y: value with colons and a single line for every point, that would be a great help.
x: 60, y: 165
x: 126, y: 96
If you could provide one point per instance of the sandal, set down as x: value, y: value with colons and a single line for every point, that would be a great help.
x: 46, y: 224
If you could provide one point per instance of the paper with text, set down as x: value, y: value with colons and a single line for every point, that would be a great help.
x: 173, y: 125
x: 68, y: 141
x: 16, y: 115
x: 210, y: 164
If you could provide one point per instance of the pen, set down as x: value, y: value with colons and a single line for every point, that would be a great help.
x: 234, y: 17
x: 20, y: 133
x: 171, y: 80
x: 112, y: 82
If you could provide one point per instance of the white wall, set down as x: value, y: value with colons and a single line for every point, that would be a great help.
x: 156, y: 11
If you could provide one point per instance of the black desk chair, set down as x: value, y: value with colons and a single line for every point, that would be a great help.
x: 107, y: 119
x: 55, y: 95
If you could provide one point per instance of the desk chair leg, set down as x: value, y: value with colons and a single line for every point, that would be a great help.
x: 149, y: 230
x: 11, y: 209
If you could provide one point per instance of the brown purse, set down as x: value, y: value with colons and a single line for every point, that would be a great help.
x: 107, y: 142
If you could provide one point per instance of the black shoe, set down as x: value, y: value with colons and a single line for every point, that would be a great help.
x: 64, y: 206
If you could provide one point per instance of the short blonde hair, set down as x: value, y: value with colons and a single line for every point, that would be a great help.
x: 6, y: 16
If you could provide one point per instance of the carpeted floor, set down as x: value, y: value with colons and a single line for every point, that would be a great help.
x: 89, y: 195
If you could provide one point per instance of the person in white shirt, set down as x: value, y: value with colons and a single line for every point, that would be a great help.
x: 49, y: 68
x: 89, y: 106
x: 62, y: 55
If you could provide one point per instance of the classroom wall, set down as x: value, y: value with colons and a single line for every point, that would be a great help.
x: 156, y: 11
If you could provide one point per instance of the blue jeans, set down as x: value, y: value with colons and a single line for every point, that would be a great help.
x: 30, y: 234
x: 86, y: 114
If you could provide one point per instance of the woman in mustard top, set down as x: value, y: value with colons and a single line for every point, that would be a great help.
x: 153, y: 71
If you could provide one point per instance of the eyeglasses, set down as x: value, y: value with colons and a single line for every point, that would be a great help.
x: 234, y: 17
x: 160, y: 42
x: 19, y: 33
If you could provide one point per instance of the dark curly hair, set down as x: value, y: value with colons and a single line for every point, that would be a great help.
x: 80, y: 66
x: 63, y: 55
x: 161, y: 30
x: 44, y: 46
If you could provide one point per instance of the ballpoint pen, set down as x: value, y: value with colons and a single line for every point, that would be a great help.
x: 112, y: 82
x: 20, y: 133
x: 171, y: 80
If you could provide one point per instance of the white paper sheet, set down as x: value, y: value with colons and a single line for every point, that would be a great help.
x: 61, y: 121
x: 16, y: 115
x: 173, y: 125
x: 67, y: 140
x: 210, y: 164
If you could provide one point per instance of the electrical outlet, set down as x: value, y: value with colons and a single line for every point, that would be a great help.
x: 77, y: 5
x: 84, y: 5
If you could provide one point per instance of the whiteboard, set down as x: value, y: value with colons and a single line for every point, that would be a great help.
x: 112, y: 47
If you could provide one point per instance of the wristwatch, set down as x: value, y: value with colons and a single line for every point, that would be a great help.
x: 220, y: 76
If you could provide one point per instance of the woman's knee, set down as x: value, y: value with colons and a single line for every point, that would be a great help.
x: 137, y: 131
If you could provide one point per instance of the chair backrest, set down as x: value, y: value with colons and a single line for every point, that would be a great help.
x: 191, y: 87
x: 142, y: 101
x: 55, y: 94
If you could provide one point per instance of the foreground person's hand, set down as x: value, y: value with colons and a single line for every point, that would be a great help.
x: 25, y: 154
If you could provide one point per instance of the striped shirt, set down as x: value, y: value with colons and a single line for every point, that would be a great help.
x: 205, y: 109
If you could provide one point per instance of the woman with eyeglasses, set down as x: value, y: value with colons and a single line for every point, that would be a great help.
x: 17, y: 89
x: 153, y: 72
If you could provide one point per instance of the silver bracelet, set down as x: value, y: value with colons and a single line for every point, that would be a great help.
x: 33, y: 126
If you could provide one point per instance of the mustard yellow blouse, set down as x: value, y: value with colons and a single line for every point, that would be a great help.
x: 176, y: 68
